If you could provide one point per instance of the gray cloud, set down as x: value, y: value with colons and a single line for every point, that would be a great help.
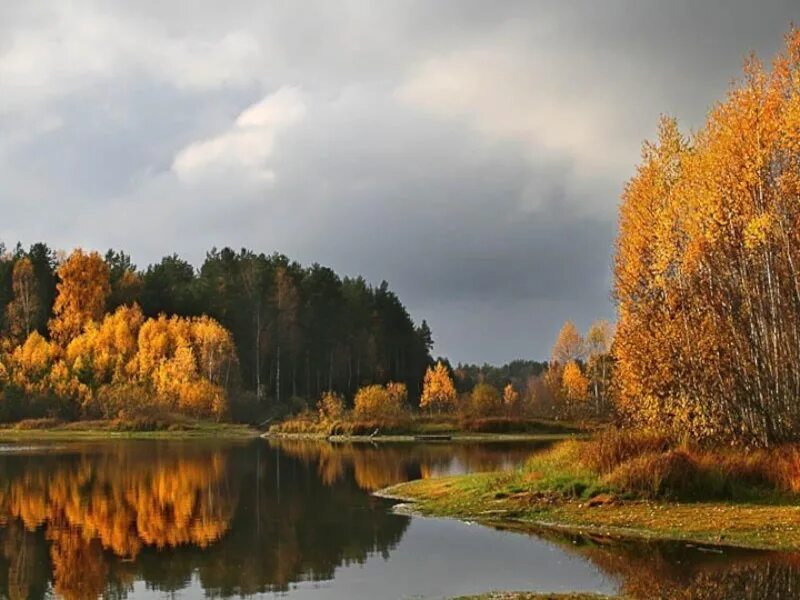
x: 471, y: 153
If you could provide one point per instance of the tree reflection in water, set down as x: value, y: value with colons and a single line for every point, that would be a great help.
x: 95, y: 518
x: 244, y: 518
x: 681, y: 571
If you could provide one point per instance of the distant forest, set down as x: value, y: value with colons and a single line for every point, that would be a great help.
x: 298, y: 331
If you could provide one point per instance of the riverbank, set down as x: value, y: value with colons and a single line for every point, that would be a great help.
x: 534, y: 596
x: 99, y: 431
x: 413, y: 427
x: 393, y: 438
x: 557, y: 491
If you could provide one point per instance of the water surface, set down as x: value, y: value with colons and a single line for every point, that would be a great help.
x: 187, y: 519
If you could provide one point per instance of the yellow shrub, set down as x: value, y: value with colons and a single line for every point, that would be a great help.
x: 378, y: 401
x: 330, y: 407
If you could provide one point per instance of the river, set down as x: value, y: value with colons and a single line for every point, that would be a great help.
x: 292, y: 519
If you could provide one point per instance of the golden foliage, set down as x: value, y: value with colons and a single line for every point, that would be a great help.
x: 176, y: 364
x: 83, y: 288
x: 706, y: 269
x: 330, y: 407
x: 510, y: 398
x: 378, y: 401
x: 187, y: 361
x: 31, y: 364
x: 569, y: 345
x: 438, y: 391
x: 574, y: 382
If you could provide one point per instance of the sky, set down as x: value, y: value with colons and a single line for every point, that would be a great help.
x: 471, y: 153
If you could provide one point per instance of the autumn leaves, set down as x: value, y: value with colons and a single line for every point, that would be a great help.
x: 118, y: 364
x: 707, y: 268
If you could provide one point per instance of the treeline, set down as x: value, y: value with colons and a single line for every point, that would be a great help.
x: 518, y: 373
x: 707, y: 271
x: 297, y: 331
x: 576, y: 383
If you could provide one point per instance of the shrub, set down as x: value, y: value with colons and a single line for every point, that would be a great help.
x: 305, y: 422
x: 115, y: 399
x: 612, y: 447
x: 485, y: 400
x: 331, y: 407
x: 43, y: 423
x: 376, y: 401
x: 674, y: 473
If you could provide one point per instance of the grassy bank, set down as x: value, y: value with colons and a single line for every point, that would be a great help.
x: 89, y: 430
x: 533, y: 596
x: 392, y: 438
x: 635, y: 487
x: 309, y: 425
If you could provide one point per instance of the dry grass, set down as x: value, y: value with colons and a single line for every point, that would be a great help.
x: 513, y: 425
x: 652, y: 465
x: 612, y: 447
x: 43, y: 423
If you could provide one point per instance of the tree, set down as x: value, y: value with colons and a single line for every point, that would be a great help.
x: 126, y: 283
x: 438, y: 391
x: 485, y: 400
x: 83, y: 289
x: 706, y: 270
x: 170, y: 287
x: 574, y: 382
x: 599, y: 340
x: 23, y: 310
x: 510, y: 399
x: 569, y: 345
x: 377, y: 401
x: 286, y: 327
x: 299, y: 329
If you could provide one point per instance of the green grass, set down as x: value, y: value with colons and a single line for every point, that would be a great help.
x: 557, y: 489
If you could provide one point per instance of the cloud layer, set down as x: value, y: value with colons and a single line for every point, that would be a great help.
x: 471, y: 153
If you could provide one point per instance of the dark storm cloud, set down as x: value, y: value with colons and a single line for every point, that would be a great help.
x: 471, y: 153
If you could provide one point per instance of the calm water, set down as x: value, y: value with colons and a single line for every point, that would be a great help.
x: 296, y: 520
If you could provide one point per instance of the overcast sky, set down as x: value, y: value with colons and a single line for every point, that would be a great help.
x: 470, y: 153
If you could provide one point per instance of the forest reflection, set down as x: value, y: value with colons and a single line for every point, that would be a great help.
x: 684, y: 571
x: 93, y: 519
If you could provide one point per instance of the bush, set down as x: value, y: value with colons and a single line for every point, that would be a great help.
x: 113, y: 400
x: 612, y: 447
x: 137, y: 424
x: 484, y: 401
x: 305, y: 422
x: 673, y: 474
x: 331, y: 407
x: 42, y: 423
x: 376, y: 401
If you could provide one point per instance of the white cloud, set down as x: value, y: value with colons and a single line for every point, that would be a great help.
x: 243, y: 151
x: 502, y: 91
x: 78, y: 44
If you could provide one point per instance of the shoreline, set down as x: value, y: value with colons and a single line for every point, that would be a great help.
x: 475, y: 498
x: 537, y: 596
x: 201, y: 431
x: 406, y: 438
